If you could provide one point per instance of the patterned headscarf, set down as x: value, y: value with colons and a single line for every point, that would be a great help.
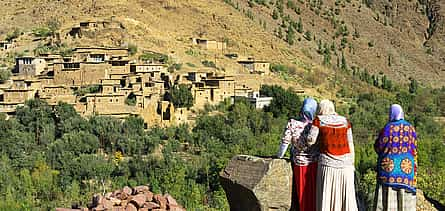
x: 327, y: 108
x: 396, y: 113
x: 308, y: 109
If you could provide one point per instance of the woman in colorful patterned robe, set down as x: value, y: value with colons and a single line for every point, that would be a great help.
x: 304, y: 154
x: 396, y: 148
x: 335, y: 174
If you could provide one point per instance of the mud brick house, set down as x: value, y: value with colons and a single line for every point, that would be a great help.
x: 255, y: 66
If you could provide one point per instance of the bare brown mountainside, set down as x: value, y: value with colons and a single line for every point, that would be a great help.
x: 398, y: 38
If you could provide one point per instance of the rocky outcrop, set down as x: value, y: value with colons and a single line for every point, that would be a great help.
x: 139, y: 198
x: 254, y: 183
x: 425, y: 205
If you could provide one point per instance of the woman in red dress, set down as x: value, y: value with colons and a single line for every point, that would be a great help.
x: 304, y: 154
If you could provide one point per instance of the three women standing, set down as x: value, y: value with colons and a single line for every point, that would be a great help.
x: 396, y: 148
x: 326, y: 141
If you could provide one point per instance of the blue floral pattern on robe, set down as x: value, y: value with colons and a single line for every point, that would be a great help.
x: 396, y: 148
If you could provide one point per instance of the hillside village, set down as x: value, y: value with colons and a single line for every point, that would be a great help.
x: 105, y: 81
x: 171, y: 62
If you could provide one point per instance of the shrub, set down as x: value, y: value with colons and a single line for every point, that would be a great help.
x: 154, y: 57
x: 308, y: 35
x: 299, y: 26
x: 4, y: 75
x: 208, y: 63
x: 190, y: 64
x: 131, y: 99
x: 53, y: 25
x: 174, y: 66
x: 275, y: 14
x: 132, y: 49
x: 13, y: 35
x: 87, y: 90
x: 290, y: 35
x: 279, y: 68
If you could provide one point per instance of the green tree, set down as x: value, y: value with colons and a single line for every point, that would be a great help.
x: 326, y: 56
x: 37, y: 117
x: 131, y: 99
x: 4, y: 75
x: 133, y: 126
x: 290, y: 35
x: 299, y: 26
x: 13, y: 35
x: 108, y: 130
x: 132, y: 49
x: 181, y: 96
x: 413, y: 86
x: 285, y: 102
x: 280, y: 33
x: 53, y: 26
x: 275, y: 14
x: 343, y: 65
x: 308, y: 35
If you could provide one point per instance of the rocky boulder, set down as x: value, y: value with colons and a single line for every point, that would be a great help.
x: 253, y: 183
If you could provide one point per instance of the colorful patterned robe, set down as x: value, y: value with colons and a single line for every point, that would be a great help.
x: 396, y: 148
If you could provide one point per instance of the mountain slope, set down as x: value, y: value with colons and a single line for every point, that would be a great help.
x: 385, y: 38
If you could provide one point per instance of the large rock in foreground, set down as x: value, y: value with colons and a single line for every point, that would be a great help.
x: 253, y: 183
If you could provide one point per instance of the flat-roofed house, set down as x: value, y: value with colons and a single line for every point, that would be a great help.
x: 255, y: 66
x: 18, y: 96
x: 108, y: 104
x: 209, y: 44
x: 53, y: 94
x: 80, y: 73
x: 258, y: 101
x: 110, y: 86
x: 224, y: 87
x: 5, y: 45
x: 154, y: 70
x: 99, y: 54
x: 29, y: 66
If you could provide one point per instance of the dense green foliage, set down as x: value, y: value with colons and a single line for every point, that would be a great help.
x: 181, y: 96
x: 53, y: 157
x: 285, y: 102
